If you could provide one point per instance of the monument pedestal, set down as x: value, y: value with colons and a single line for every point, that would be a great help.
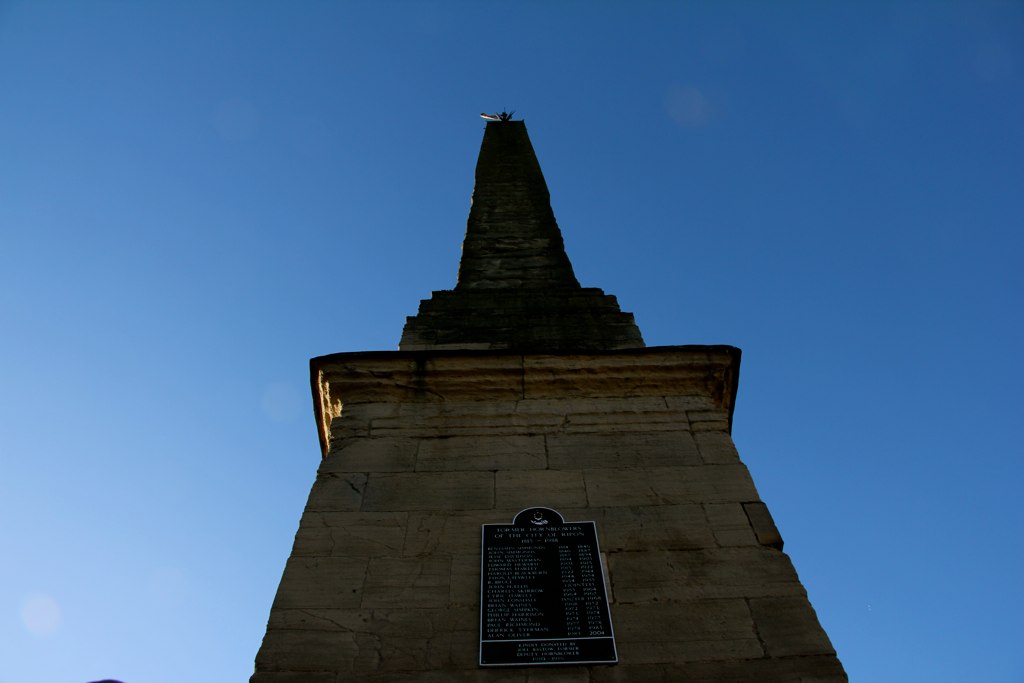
x: 423, y: 448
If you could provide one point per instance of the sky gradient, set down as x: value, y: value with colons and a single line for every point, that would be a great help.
x: 196, y: 198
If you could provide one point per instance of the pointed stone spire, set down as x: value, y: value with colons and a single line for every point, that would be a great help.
x: 512, y: 239
x: 516, y: 288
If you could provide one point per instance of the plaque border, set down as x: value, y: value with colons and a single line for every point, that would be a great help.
x: 607, y: 605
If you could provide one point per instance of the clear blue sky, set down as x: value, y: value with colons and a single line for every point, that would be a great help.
x: 196, y: 198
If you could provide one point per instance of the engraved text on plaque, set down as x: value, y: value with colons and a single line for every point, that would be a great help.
x: 542, y: 593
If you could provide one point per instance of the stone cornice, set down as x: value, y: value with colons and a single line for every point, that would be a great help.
x: 460, y: 375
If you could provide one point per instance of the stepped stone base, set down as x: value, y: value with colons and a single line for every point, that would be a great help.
x: 421, y: 448
x: 576, y: 319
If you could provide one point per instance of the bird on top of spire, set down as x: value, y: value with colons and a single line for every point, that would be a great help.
x: 503, y: 116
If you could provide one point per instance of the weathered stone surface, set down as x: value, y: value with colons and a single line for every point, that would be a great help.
x: 588, y: 417
x: 341, y: 429
x: 716, y: 448
x: 314, y: 582
x: 694, y: 401
x: 790, y: 670
x: 710, y: 426
x: 707, y: 416
x: 658, y: 576
x: 482, y: 453
x: 311, y: 651
x: 475, y: 418
x: 321, y: 619
x: 337, y: 491
x: 407, y: 582
x: 516, y: 288
x: 559, y: 675
x: 763, y: 524
x: 430, y: 491
x: 447, y: 533
x: 402, y: 621
x: 789, y: 626
x: 669, y: 501
x: 659, y: 632
x: 512, y: 240
x: 294, y: 677
x: 380, y: 640
x: 547, y: 488
x: 668, y: 485
x: 730, y: 524
x: 367, y: 454
x: 587, y: 410
x: 665, y: 527
x: 621, y: 449
x: 465, y: 589
x: 627, y: 374
x: 665, y: 382
x: 350, y: 534
x: 447, y: 675
x: 466, y: 648
x: 531, y: 321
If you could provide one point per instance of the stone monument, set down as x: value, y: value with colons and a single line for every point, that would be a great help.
x: 521, y: 395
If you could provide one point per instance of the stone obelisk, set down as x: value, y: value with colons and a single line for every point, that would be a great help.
x: 521, y: 388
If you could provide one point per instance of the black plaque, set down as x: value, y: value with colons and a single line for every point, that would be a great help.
x: 542, y: 593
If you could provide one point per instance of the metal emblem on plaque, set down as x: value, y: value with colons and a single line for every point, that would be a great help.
x: 542, y: 593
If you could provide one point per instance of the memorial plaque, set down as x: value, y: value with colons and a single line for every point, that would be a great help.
x: 542, y: 594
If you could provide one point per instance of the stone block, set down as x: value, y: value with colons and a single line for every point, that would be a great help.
x: 716, y: 448
x: 465, y: 588
x: 336, y: 491
x: 710, y: 426
x: 320, y: 619
x: 563, y: 674
x: 476, y: 418
x: 311, y: 582
x: 342, y: 429
x: 362, y: 412
x: 648, y: 673
x: 588, y: 417
x: 615, y: 487
x: 671, y: 632
x: 367, y: 454
x: 475, y: 675
x: 761, y: 670
x: 425, y: 653
x: 465, y: 650
x: 407, y: 582
x: 655, y: 527
x: 365, y: 534
x: 763, y: 524
x: 406, y: 622
x: 455, y: 409
x: 658, y: 576
x: 548, y: 488
x: 730, y: 524
x: 716, y: 415
x: 447, y: 533
x: 645, y: 373
x: 394, y: 640
x: 313, y: 652
x: 688, y: 403
x: 482, y: 453
x: 621, y: 449
x: 789, y: 627
x: 294, y: 677
x: 735, y: 537
x: 584, y: 410
x: 429, y: 491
